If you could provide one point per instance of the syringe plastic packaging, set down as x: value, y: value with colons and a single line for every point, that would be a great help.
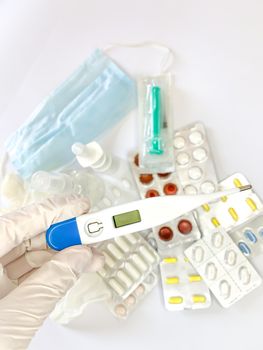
x: 156, y: 129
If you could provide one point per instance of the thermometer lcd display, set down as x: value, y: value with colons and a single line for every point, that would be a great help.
x: 128, y: 218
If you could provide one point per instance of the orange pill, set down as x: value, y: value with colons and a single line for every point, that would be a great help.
x: 164, y: 175
x: 166, y: 233
x: 184, y: 226
x: 136, y: 160
x: 170, y: 188
x: 152, y: 193
x: 146, y: 178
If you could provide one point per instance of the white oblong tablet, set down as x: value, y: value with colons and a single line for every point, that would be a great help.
x: 124, y: 278
x: 217, y: 240
x: 116, y: 286
x: 244, y: 275
x: 230, y: 257
x: 147, y: 254
x: 211, y: 271
x: 198, y: 254
x: 225, y: 289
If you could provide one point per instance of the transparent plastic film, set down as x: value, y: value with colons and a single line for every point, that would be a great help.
x: 156, y: 130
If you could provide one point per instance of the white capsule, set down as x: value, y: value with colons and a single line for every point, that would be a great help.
x: 132, y: 270
x: 182, y: 158
x: 116, y: 286
x: 225, y: 289
x: 107, y: 201
x: 199, y: 154
x: 131, y: 238
x: 230, y: 257
x: 198, y: 254
x: 208, y: 187
x: 217, y: 240
x: 139, y: 262
x: 179, y: 142
x: 122, y: 243
x: 195, y: 173
x: 115, y: 251
x: 244, y: 275
x: 126, y: 183
x: 211, y: 271
x: 116, y: 192
x: 148, y: 255
x: 124, y: 278
x: 108, y: 260
x: 196, y: 137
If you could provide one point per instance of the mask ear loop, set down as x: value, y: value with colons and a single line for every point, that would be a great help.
x: 167, y: 61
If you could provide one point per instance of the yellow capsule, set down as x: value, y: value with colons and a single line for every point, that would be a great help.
x: 172, y: 280
x: 186, y: 259
x: 224, y: 198
x: 175, y: 300
x: 251, y: 204
x: 194, y: 278
x: 170, y: 260
x: 237, y: 182
x: 233, y: 213
x: 215, y: 222
x: 206, y: 207
x: 199, y: 298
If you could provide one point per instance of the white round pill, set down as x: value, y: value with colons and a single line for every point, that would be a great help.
x: 189, y: 189
x: 182, y: 158
x: 199, y: 154
x: 130, y: 300
x: 121, y: 310
x: 208, y: 187
x: 196, y: 137
x: 195, y: 173
x: 179, y: 142
x: 139, y: 290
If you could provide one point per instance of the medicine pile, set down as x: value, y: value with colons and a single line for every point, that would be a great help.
x: 200, y: 257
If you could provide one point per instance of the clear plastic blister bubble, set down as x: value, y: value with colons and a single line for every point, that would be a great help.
x: 122, y: 308
x: 156, y: 130
x: 128, y: 260
x: 230, y: 211
x: 226, y: 271
x: 193, y: 160
x: 249, y: 236
x: 183, y: 287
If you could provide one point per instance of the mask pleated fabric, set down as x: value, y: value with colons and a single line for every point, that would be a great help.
x: 94, y: 98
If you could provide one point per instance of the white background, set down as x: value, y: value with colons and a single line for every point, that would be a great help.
x: 219, y: 80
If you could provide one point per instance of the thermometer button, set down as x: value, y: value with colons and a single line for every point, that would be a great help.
x: 94, y: 228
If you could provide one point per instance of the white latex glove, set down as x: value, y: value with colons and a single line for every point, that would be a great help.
x: 32, y: 277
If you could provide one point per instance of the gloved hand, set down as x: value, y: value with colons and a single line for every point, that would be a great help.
x: 32, y: 277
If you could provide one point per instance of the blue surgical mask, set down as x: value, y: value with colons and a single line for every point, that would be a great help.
x: 94, y: 98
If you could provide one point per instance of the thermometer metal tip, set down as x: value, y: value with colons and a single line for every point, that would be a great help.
x: 245, y: 188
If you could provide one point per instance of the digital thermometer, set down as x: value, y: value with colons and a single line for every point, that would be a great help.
x: 126, y: 218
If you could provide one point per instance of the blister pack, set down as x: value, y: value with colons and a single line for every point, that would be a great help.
x: 121, y: 308
x: 181, y: 230
x: 233, y: 210
x: 226, y: 271
x: 128, y: 260
x: 194, y: 163
x: 183, y: 287
x: 155, y: 112
x: 249, y: 236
